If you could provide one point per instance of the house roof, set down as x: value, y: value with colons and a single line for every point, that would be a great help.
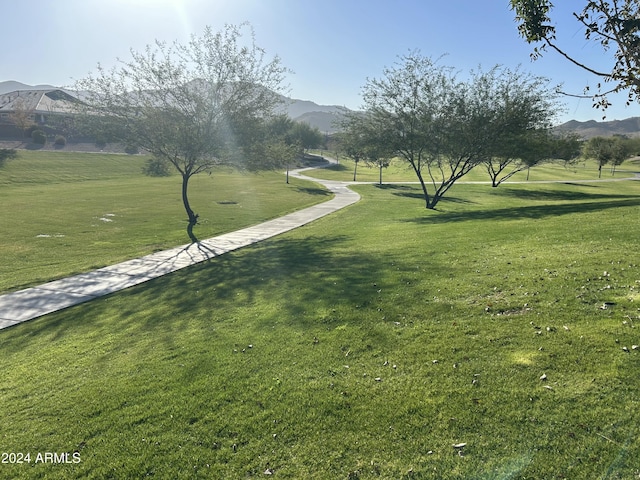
x: 38, y: 101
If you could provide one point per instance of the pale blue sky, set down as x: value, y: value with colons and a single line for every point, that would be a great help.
x: 332, y: 46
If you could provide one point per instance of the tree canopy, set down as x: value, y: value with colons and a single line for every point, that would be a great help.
x: 442, y: 126
x: 196, y: 105
x: 615, y: 24
x: 604, y: 150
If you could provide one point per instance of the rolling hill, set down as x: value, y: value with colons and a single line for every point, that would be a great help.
x: 321, y: 116
x: 629, y: 127
x: 325, y: 117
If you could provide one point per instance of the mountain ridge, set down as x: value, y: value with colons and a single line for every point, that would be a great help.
x: 325, y: 117
x: 591, y: 128
x: 322, y: 117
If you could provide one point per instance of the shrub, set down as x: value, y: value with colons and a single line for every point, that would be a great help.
x: 29, y: 131
x: 7, y: 154
x: 131, y: 149
x: 39, y: 137
x: 60, y: 141
x: 156, y: 167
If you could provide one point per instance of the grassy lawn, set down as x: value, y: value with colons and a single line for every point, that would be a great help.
x: 65, y: 213
x: 363, y: 345
x: 399, y: 171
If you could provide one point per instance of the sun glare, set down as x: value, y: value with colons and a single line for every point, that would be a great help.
x: 177, y: 10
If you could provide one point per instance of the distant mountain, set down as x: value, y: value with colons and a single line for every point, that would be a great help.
x: 591, y: 128
x: 326, y: 122
x: 12, y: 86
x: 321, y: 116
x: 296, y: 108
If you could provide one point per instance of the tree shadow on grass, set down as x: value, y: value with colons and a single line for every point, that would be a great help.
x: 296, y: 278
x: 303, y: 274
x: 407, y: 191
x: 339, y: 167
x: 534, y: 212
x: 559, y: 195
x: 314, y: 191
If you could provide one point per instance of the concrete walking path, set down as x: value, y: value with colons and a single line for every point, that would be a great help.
x: 23, y: 305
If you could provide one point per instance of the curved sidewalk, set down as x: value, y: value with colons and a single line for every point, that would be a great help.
x: 23, y: 305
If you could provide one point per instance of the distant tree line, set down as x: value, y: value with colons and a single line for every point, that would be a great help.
x: 610, y: 150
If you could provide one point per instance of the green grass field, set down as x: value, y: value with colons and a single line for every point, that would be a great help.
x: 65, y: 213
x: 363, y: 345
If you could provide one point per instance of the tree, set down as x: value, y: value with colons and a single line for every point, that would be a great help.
x: 305, y: 135
x: 196, y: 105
x: 443, y: 127
x: 22, y: 116
x: 353, y: 139
x: 533, y: 148
x: 620, y: 151
x: 519, y: 111
x: 283, y: 141
x: 362, y: 140
x: 523, y: 152
x: 404, y: 108
x: 275, y: 146
x: 613, y: 150
x: 566, y: 147
x: 600, y: 149
x: 612, y: 23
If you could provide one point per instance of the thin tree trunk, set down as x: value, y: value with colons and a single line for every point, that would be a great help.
x: 424, y: 188
x: 354, y: 171
x: 193, y: 217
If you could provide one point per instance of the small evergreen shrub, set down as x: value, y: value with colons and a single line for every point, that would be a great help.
x: 131, y: 149
x: 39, y: 137
x: 60, y: 141
x: 156, y: 167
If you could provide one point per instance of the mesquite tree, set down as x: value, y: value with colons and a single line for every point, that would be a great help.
x: 613, y: 150
x: 615, y: 24
x: 196, y: 105
x: 444, y: 127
